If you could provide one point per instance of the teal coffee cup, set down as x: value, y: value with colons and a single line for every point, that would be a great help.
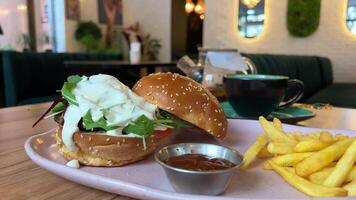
x: 254, y: 95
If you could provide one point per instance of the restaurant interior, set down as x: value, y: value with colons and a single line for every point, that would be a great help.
x: 287, y: 61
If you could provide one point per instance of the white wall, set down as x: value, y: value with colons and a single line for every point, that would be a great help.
x: 13, y: 22
x: 332, y: 39
x: 154, y: 17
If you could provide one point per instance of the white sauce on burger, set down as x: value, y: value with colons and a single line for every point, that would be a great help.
x: 104, y: 96
x: 73, y: 164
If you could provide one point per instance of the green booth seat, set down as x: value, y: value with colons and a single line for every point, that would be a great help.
x: 30, y: 77
x: 337, y: 94
x: 316, y: 74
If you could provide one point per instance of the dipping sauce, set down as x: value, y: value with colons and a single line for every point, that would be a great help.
x: 199, y: 162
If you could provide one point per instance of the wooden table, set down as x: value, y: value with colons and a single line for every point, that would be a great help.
x: 20, y: 178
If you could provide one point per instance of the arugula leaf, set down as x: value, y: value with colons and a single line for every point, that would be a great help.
x: 58, y: 107
x: 68, y: 87
x: 89, y: 124
x: 141, y: 126
x: 67, y: 93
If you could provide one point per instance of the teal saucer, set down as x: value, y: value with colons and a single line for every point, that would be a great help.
x: 288, y: 115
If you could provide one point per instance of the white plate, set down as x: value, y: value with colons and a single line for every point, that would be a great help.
x: 146, y: 179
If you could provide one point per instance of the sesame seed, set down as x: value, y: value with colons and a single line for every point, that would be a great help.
x: 174, y: 100
x: 81, y: 136
x: 177, y: 94
x: 138, y: 145
x: 151, y: 86
x: 197, y: 102
x: 209, y: 119
x: 157, y: 86
x: 107, y: 139
x: 216, y: 110
x: 89, y: 138
x: 183, y: 93
x: 219, y: 124
x: 190, y: 110
x: 118, y: 143
x: 218, y: 135
x: 123, y: 140
x: 90, y: 148
x: 215, y: 119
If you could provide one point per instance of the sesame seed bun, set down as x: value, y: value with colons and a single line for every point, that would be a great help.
x: 103, y: 150
x: 184, y: 98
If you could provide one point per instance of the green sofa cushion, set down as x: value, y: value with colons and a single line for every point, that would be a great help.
x: 31, y: 75
x: 337, y: 94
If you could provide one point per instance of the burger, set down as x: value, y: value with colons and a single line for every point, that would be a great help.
x: 101, y: 122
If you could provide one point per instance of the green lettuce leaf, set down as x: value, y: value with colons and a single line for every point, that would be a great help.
x: 89, y: 124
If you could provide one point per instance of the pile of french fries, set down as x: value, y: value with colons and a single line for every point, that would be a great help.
x: 319, y: 164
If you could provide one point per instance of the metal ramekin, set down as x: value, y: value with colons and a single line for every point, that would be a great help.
x: 199, y: 182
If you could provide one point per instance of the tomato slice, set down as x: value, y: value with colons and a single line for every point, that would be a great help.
x: 161, y: 134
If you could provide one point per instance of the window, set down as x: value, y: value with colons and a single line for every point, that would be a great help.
x: 251, y: 17
x: 351, y: 16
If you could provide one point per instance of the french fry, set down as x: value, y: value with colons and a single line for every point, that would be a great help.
x: 310, y: 146
x: 326, y: 137
x: 306, y: 137
x: 280, y: 148
x: 251, y: 153
x: 343, y: 167
x: 340, y: 136
x: 352, y: 175
x: 320, y: 176
x: 277, y: 124
x: 306, y: 186
x: 322, y: 158
x: 264, y: 153
x: 291, y: 136
x: 266, y: 165
x: 298, y: 135
x: 314, y: 135
x: 288, y: 160
x: 275, y: 134
x: 351, y: 188
x: 333, y: 164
